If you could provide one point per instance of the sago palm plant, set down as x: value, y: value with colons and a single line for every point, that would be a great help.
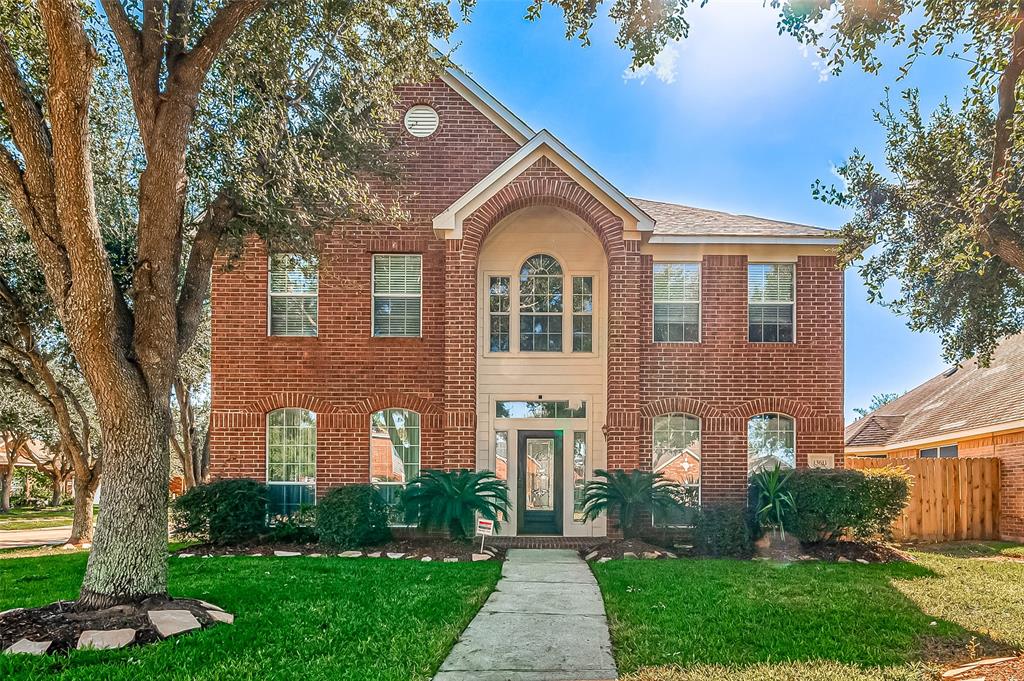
x: 628, y: 493
x: 773, y: 502
x: 451, y: 500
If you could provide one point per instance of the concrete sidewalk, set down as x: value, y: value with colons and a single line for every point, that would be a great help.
x: 545, y: 621
x: 16, y: 539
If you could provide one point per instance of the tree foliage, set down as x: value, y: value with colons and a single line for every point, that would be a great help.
x: 942, y: 216
x: 877, y: 401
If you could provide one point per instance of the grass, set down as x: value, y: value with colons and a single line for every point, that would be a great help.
x: 36, y: 518
x: 722, y: 619
x: 300, y: 617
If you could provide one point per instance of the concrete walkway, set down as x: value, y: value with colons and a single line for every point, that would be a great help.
x: 544, y: 622
x: 11, y: 539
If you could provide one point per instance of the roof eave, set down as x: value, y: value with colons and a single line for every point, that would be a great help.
x: 802, y: 240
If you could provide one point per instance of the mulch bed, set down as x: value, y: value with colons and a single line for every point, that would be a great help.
x: 618, y: 548
x: 61, y: 623
x: 857, y: 552
x: 437, y: 548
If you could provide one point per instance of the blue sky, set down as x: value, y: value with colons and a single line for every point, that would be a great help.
x: 734, y: 118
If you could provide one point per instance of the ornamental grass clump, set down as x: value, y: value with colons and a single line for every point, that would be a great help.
x: 772, y: 501
x: 452, y: 500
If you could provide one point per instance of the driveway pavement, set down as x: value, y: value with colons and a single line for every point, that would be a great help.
x: 545, y: 621
x: 14, y: 539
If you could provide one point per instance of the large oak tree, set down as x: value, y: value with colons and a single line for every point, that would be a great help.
x: 250, y: 117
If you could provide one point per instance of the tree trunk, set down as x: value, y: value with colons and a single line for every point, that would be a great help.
x: 129, y: 555
x: 83, y: 521
x: 55, y: 491
x: 5, y: 496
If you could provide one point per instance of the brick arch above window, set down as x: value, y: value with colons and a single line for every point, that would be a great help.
x: 679, y: 405
x: 543, y: 184
x: 776, y: 405
x: 283, y: 400
x: 397, y: 400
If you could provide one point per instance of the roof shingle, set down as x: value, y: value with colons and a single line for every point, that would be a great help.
x: 965, y: 399
x: 678, y: 220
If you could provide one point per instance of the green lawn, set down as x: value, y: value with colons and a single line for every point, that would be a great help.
x: 35, y: 518
x: 314, y: 618
x: 722, y: 619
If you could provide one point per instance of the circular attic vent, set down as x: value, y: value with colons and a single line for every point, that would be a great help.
x: 421, y: 120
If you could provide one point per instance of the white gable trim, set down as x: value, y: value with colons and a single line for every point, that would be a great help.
x: 485, y: 103
x: 543, y: 144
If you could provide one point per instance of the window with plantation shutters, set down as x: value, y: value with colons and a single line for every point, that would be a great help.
x: 397, y: 295
x: 293, y: 291
x: 677, y: 302
x: 771, y: 302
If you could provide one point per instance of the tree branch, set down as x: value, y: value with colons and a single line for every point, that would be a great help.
x: 144, y: 88
x: 196, y: 284
x: 190, y: 71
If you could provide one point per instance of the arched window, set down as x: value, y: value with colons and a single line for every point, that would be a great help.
x: 291, y: 459
x: 540, y: 305
x: 394, y: 450
x: 771, y: 440
x: 676, y: 455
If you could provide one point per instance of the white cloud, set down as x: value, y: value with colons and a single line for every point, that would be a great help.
x: 664, y: 67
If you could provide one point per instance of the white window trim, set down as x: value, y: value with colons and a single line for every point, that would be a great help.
x: 373, y: 297
x: 700, y: 438
x: 490, y: 314
x: 513, y: 330
x: 700, y: 301
x: 270, y: 296
x: 573, y: 314
x: 796, y: 450
x: 369, y: 452
x: 266, y: 451
x: 795, y: 284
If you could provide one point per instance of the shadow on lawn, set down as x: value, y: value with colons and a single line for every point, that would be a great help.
x: 973, y: 549
x: 743, y: 613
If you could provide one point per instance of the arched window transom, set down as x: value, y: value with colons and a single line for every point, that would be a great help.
x: 541, y: 288
x: 771, y: 440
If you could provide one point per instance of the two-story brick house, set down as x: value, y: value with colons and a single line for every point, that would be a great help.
x: 532, y: 320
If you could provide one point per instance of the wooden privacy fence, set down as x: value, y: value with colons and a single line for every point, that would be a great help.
x: 951, y: 498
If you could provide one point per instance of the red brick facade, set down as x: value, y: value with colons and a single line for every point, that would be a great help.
x: 345, y: 374
x: 1009, y: 449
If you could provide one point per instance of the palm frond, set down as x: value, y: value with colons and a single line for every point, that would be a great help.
x: 451, y: 500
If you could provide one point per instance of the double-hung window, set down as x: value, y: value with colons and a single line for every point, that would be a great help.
x: 582, y: 314
x: 291, y: 460
x: 397, y: 295
x: 292, y: 294
x: 498, y: 305
x: 771, y: 302
x: 676, y: 302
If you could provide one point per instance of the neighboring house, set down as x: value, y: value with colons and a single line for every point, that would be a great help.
x: 527, y: 311
x: 966, y: 411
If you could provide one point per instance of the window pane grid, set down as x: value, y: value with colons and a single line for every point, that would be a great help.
x: 291, y: 459
x: 676, y: 455
x: 499, y: 305
x: 540, y: 305
x: 582, y: 314
x: 771, y: 440
x: 676, y: 300
x: 771, y: 302
x: 293, y: 292
x: 397, y: 295
x: 579, y: 473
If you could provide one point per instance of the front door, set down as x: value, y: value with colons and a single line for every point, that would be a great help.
x: 540, y: 482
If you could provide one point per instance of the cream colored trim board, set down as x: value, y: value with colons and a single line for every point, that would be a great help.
x: 994, y: 429
x: 710, y: 239
x: 542, y: 144
x: 487, y: 104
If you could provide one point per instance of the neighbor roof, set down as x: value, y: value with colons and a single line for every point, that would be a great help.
x: 676, y: 220
x: 964, y: 398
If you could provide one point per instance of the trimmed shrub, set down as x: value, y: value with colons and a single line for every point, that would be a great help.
x: 222, y: 512
x: 862, y: 505
x: 351, y: 516
x: 724, y: 530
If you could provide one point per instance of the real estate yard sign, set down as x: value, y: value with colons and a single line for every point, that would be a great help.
x: 484, y: 528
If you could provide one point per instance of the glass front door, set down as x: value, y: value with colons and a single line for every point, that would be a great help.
x: 540, y: 482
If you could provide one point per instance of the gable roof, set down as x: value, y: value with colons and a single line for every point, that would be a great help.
x: 676, y: 223
x: 961, y: 401
x: 485, y: 102
x: 548, y: 145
